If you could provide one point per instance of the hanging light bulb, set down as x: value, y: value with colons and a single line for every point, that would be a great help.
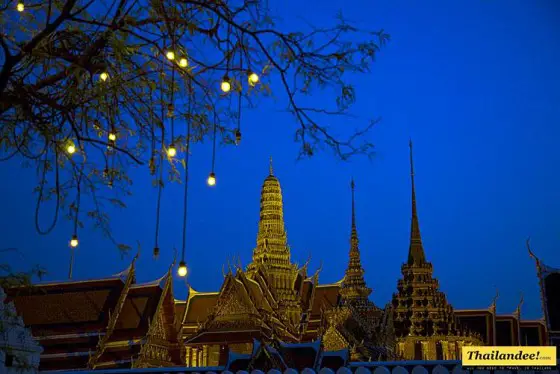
x: 212, y: 179
x: 237, y: 137
x: 156, y: 252
x: 20, y: 6
x: 105, y: 172
x: 170, y: 110
x: 253, y: 78
x: 171, y: 151
x: 183, y: 62
x: 112, y: 136
x: 70, y: 148
x: 182, y: 270
x: 103, y: 76
x: 226, y: 84
x: 170, y: 55
x: 74, y: 241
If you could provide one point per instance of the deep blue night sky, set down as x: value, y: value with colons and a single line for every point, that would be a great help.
x: 475, y: 84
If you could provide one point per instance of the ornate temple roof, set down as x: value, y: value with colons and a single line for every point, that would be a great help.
x: 326, y: 296
x: 199, y: 305
x: 80, y: 304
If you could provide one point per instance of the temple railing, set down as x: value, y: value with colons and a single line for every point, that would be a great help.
x: 380, y: 367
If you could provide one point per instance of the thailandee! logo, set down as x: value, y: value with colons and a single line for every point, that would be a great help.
x: 509, y: 357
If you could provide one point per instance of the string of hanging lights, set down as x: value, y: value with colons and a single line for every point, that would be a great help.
x: 238, y: 130
x: 226, y: 85
x: 182, y: 269
x: 74, y: 242
x: 160, y: 178
x: 171, y: 150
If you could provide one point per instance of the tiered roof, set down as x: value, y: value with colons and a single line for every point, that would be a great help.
x: 93, y: 323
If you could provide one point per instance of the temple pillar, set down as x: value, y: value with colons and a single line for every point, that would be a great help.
x: 459, y: 349
x: 425, y: 350
x: 445, y: 350
x: 188, y: 356
x: 194, y: 362
x: 205, y: 355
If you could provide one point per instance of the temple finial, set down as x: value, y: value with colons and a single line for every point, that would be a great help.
x: 352, y: 185
x: 270, y: 167
x: 518, y: 309
x: 416, y: 250
x: 411, y: 160
x: 495, y: 299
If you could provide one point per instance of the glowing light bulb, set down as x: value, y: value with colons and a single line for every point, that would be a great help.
x: 226, y: 84
x: 74, y: 241
x: 182, y: 270
x: 71, y: 148
x: 183, y: 62
x: 20, y: 7
x: 170, y: 55
x: 253, y: 78
x: 212, y: 179
x: 112, y: 136
x: 103, y: 76
x: 171, y: 151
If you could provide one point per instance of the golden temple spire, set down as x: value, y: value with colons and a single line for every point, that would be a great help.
x: 353, y: 285
x: 272, y: 248
x: 270, y: 167
x: 416, y: 250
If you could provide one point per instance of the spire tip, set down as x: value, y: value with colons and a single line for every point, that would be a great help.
x: 270, y: 167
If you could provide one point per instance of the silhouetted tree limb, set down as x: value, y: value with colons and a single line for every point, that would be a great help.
x: 52, y: 94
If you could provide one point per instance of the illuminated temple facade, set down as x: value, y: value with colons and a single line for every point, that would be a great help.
x: 118, y: 323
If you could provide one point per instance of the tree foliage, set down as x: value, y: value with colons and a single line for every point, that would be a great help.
x: 96, y: 75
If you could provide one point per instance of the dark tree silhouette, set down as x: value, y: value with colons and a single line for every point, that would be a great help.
x: 89, y: 88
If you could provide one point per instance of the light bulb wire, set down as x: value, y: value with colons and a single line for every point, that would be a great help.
x: 214, y: 141
x: 160, y: 179
x: 153, y: 133
x: 189, y: 114
x: 173, y: 104
x: 239, y: 97
x: 78, y: 195
x: 75, y: 234
x: 228, y: 61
